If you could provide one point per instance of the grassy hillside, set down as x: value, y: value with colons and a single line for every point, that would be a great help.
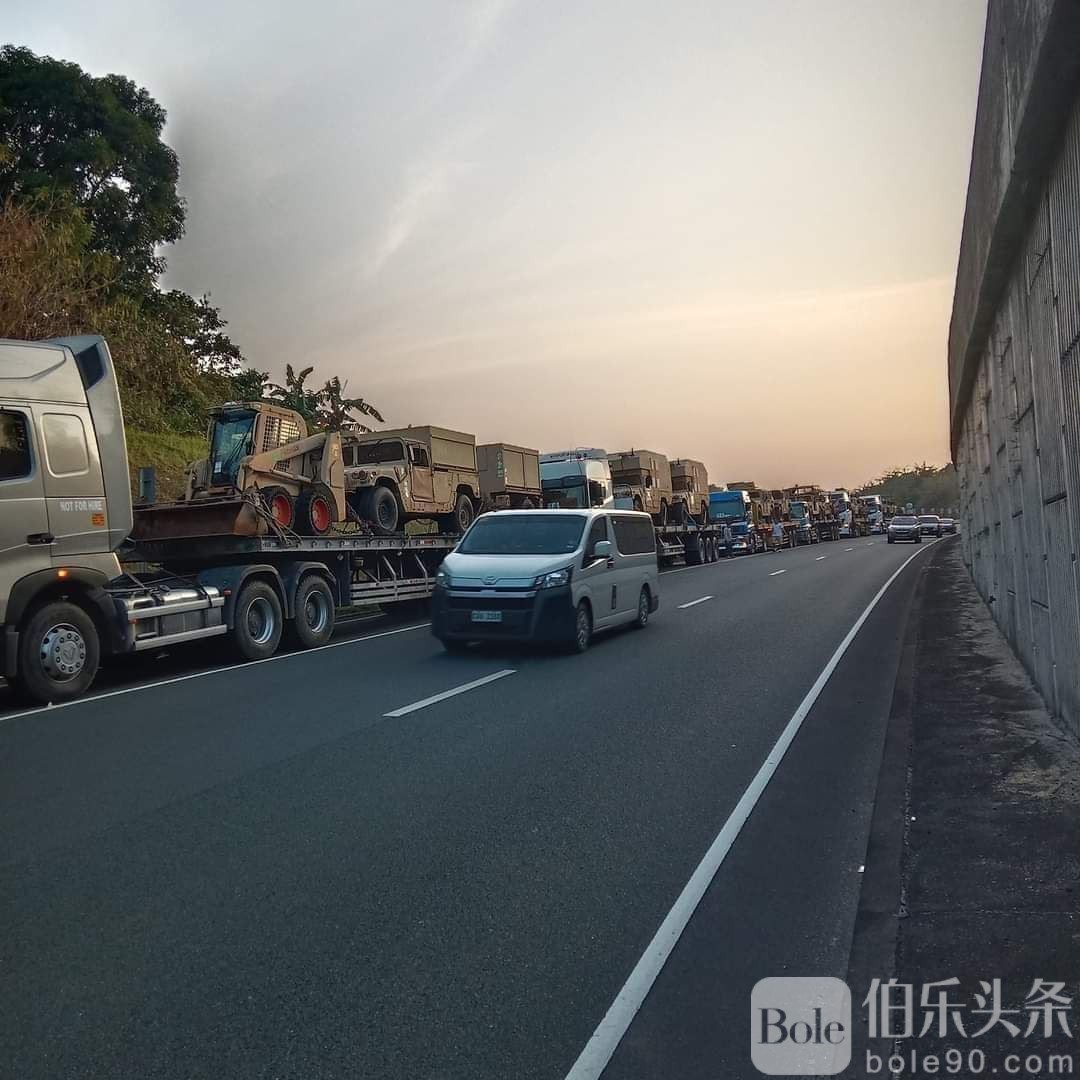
x: 169, y: 453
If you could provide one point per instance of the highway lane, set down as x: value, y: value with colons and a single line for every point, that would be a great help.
x: 256, y: 872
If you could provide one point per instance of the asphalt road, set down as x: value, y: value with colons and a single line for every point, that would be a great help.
x: 256, y: 872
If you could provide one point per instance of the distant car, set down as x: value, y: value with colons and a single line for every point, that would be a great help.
x: 929, y: 524
x: 948, y: 525
x: 904, y: 527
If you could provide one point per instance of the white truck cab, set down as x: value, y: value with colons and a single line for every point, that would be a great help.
x: 576, y: 478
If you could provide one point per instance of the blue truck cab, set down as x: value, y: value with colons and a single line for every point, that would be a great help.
x: 732, y: 508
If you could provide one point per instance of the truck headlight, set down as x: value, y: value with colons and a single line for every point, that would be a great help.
x: 554, y: 579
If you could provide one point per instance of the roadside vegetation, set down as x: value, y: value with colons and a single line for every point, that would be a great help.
x: 88, y: 198
x: 930, y: 488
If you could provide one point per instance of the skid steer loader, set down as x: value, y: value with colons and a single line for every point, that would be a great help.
x: 264, y: 472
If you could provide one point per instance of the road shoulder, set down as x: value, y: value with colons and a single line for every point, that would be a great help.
x: 973, y: 863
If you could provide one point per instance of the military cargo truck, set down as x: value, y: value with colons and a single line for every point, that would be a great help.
x: 509, y: 476
x: 409, y: 474
x: 643, y: 477
x: 690, y: 487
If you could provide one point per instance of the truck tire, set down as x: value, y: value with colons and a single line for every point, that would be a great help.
x: 382, y: 511
x: 281, y: 504
x: 692, y: 551
x: 315, y: 511
x: 59, y: 653
x: 257, y: 621
x: 461, y: 518
x: 313, y: 621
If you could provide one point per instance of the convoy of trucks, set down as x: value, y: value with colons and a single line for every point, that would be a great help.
x: 279, y: 528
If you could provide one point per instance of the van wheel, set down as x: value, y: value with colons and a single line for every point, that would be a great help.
x: 642, y: 608
x: 256, y: 621
x: 313, y: 623
x: 59, y: 653
x: 382, y: 511
x: 582, y: 628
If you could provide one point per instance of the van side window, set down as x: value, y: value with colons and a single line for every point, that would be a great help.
x: 15, y: 461
x: 418, y: 455
x: 597, y: 532
x: 633, y: 535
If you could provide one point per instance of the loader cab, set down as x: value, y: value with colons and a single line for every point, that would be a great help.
x: 239, y: 430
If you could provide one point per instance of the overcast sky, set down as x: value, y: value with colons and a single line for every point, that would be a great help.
x: 721, y: 230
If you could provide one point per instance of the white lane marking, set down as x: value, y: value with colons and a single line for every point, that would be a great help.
x: 608, y: 1034
x: 775, y: 572
x: 849, y: 549
x: 209, y: 671
x: 820, y: 557
x: 699, y: 600
x: 462, y: 689
x: 869, y: 543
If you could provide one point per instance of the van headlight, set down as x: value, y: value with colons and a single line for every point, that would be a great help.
x: 442, y: 579
x: 554, y: 579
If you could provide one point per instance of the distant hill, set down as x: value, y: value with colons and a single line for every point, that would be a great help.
x: 928, y: 488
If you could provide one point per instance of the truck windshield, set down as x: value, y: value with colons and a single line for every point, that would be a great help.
x: 732, y: 510
x: 230, y: 442
x: 566, y: 491
x: 798, y: 511
x: 381, y: 450
x: 525, y: 534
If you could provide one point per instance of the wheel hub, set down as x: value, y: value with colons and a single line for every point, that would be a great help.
x: 63, y: 652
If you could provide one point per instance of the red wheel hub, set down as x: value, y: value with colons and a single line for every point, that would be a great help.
x: 320, y: 514
x: 281, y: 509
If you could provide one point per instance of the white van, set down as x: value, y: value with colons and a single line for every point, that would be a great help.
x: 548, y: 576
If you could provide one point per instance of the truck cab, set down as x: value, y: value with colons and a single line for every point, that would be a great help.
x: 732, y: 509
x: 576, y: 479
x: 65, y: 509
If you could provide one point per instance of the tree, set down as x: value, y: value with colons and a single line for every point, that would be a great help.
x: 199, y: 325
x: 250, y: 385
x: 295, y: 394
x: 66, y: 135
x: 335, y: 410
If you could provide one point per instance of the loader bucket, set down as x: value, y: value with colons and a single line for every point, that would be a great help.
x: 209, y: 517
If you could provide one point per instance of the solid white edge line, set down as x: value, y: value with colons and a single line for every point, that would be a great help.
x: 699, y: 600
x: 775, y: 572
x: 453, y: 692
x: 605, y: 1039
x: 209, y: 671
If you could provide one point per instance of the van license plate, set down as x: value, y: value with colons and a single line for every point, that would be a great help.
x: 487, y: 616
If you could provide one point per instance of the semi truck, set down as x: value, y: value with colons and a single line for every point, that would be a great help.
x: 66, y: 602
x: 580, y: 477
x: 812, y: 513
x: 732, y: 512
x: 873, y: 512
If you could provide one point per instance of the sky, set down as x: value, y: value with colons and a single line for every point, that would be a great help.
x: 721, y: 230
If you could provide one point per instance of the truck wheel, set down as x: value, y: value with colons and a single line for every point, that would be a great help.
x: 382, y: 510
x: 281, y: 504
x: 313, y: 622
x: 527, y: 504
x: 315, y: 511
x: 582, y: 628
x: 463, y: 514
x: 59, y: 653
x: 256, y: 621
x: 692, y: 551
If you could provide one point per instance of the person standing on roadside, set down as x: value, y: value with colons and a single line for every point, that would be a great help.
x: 777, y: 536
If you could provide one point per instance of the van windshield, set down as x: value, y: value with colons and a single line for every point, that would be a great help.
x: 523, y: 534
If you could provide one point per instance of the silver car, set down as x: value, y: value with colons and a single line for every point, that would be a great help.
x: 904, y: 527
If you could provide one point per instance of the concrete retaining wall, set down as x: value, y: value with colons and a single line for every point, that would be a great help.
x: 1014, y: 344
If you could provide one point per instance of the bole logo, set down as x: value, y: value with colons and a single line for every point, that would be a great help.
x: 800, y: 1027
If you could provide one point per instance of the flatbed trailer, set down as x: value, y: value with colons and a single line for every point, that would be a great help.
x: 693, y: 543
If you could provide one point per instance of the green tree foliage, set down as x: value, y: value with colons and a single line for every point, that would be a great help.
x: 96, y: 142
x: 335, y: 411
x: 87, y: 196
x: 926, y: 487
